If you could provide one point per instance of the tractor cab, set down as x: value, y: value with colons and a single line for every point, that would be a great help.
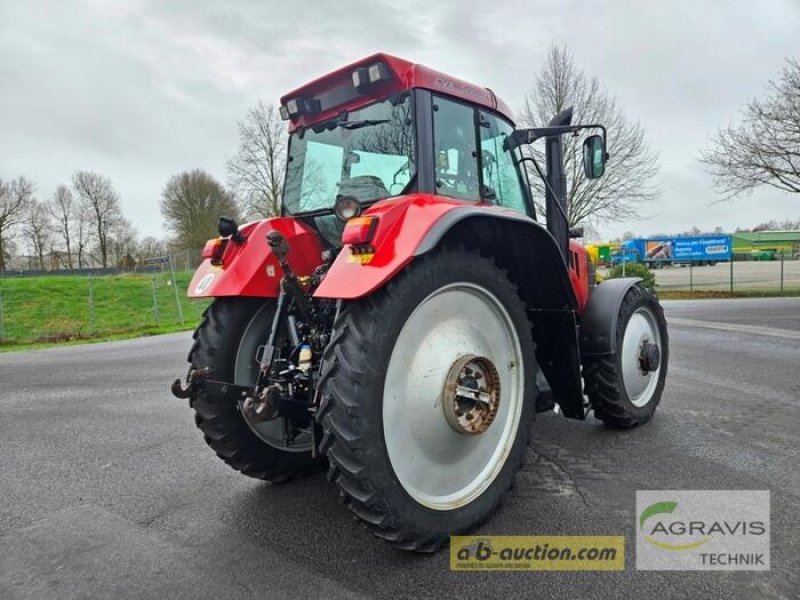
x: 384, y: 128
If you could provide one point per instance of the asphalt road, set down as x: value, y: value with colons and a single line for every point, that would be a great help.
x: 108, y: 491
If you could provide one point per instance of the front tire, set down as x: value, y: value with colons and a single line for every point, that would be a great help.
x: 226, y: 343
x: 623, y: 388
x: 414, y: 457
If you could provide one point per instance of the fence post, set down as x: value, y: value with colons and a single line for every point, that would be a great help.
x: 92, y: 323
x: 2, y: 323
x: 175, y: 287
x: 782, y: 253
x: 623, y: 263
x: 733, y: 257
x: 155, y: 302
x: 691, y: 278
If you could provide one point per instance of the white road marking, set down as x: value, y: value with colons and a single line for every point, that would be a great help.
x: 754, y: 329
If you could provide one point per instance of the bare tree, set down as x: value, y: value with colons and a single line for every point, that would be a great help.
x: 257, y: 171
x: 62, y: 209
x: 83, y: 233
x: 9, y: 253
x: 628, y: 182
x: 771, y: 225
x: 38, y: 226
x: 764, y: 147
x: 123, y: 243
x: 151, y: 247
x: 191, y: 203
x: 14, y: 198
x: 789, y: 225
x: 98, y: 195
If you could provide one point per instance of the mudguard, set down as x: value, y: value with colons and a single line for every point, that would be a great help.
x: 598, y: 323
x: 411, y: 226
x: 402, y: 224
x: 407, y: 227
x: 250, y: 268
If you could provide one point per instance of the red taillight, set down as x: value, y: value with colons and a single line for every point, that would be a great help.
x: 214, y: 249
x: 359, y: 231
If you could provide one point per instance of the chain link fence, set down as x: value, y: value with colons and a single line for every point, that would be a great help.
x: 779, y: 274
x: 57, y: 308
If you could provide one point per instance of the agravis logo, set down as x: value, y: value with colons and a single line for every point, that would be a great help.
x: 692, y: 529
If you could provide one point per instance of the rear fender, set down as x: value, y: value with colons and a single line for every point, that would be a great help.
x: 598, y: 324
x: 403, y: 224
x: 250, y: 268
x: 418, y: 224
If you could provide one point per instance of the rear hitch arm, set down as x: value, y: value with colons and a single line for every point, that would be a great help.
x: 194, y: 379
x: 198, y: 381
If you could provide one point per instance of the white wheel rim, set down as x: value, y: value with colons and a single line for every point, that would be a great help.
x: 437, y: 466
x: 245, y: 373
x: 640, y: 384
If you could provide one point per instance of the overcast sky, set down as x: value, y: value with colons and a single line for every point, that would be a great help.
x: 141, y: 90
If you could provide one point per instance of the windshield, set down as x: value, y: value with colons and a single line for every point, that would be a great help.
x: 366, y: 153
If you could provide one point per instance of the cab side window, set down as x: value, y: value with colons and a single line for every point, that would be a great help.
x: 456, y: 161
x: 501, y: 182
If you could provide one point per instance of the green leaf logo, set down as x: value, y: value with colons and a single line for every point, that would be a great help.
x: 655, y: 509
x: 665, y: 508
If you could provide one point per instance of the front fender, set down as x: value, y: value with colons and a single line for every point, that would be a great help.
x: 250, y: 268
x: 407, y: 227
x: 598, y: 323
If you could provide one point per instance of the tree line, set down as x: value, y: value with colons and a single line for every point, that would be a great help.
x: 771, y: 225
x: 82, y: 224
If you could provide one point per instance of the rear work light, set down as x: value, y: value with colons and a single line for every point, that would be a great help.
x: 359, y: 231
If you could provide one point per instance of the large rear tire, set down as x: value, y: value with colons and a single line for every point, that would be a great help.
x: 226, y: 343
x: 415, y: 458
x: 625, y: 388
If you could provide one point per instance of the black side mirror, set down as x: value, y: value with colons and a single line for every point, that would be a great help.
x: 594, y: 157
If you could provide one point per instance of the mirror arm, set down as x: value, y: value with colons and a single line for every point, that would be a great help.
x: 528, y: 136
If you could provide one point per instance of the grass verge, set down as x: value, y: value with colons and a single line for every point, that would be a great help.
x: 38, y: 312
x: 42, y: 311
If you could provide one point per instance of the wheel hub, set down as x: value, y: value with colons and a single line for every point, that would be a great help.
x: 471, y: 395
x: 649, y: 357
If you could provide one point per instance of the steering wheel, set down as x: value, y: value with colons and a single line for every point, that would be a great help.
x: 449, y: 179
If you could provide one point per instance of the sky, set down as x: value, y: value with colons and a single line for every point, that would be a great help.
x: 141, y: 90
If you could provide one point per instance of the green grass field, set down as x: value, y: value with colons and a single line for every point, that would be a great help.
x: 63, y: 309
x: 41, y: 311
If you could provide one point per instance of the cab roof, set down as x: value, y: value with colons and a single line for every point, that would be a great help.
x: 404, y: 75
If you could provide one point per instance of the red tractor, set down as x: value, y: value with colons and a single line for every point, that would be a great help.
x: 406, y: 316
